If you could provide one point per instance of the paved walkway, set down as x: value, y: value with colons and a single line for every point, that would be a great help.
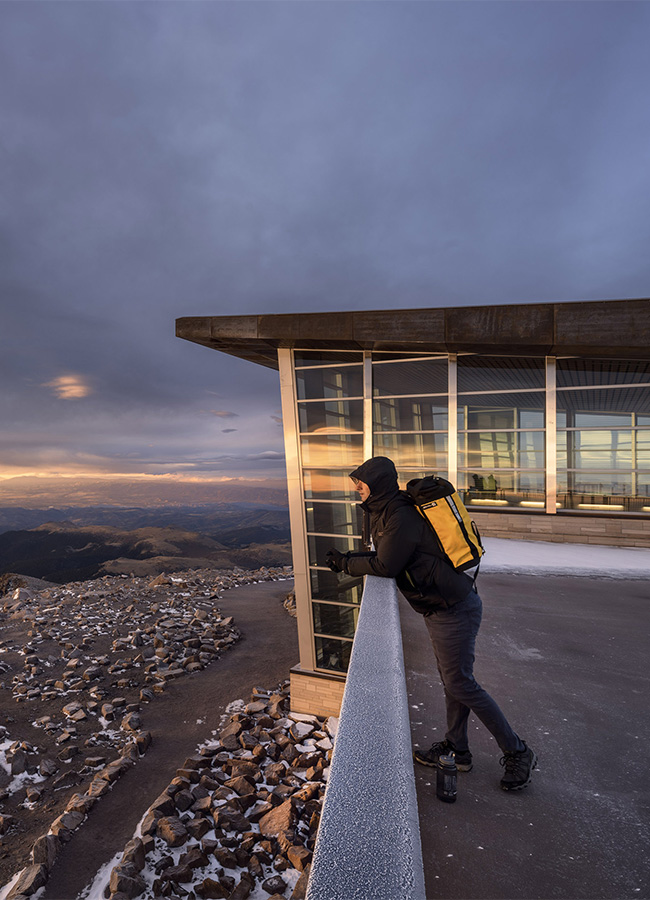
x: 566, y: 658
x: 179, y: 720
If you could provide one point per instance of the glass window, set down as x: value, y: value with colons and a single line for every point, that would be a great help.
x: 577, y: 372
x: 328, y: 484
x: 332, y: 619
x: 422, y: 376
x: 314, y: 384
x: 427, y: 451
x: 412, y: 414
x: 332, y: 654
x: 501, y: 410
x: 501, y: 449
x: 331, y: 416
x: 335, y: 586
x: 323, y: 451
x: 494, y: 373
x: 607, y: 408
x: 325, y: 357
x: 643, y: 449
x: 598, y: 484
x: 318, y: 547
x: 334, y: 518
x: 597, y: 450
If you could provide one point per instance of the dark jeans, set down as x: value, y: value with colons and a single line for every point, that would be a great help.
x: 453, y: 635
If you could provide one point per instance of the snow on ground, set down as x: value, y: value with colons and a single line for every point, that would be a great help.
x: 544, y: 558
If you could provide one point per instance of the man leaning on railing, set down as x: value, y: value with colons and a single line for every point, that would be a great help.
x: 406, y: 548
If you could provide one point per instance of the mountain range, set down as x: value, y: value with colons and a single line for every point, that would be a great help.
x: 77, y: 544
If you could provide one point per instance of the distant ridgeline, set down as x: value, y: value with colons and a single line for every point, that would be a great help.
x: 76, y: 544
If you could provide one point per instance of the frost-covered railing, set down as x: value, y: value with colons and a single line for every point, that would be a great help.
x: 368, y: 845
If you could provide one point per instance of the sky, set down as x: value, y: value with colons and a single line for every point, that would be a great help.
x: 160, y: 160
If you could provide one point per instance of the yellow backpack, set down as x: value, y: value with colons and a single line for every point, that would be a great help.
x: 458, y: 536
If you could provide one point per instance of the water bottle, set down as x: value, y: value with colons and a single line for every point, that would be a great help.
x: 446, y: 778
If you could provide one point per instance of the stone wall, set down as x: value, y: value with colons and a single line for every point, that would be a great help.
x: 316, y: 694
x: 613, y: 532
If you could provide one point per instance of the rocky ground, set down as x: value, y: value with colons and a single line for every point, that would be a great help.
x: 78, y: 665
x: 239, y: 819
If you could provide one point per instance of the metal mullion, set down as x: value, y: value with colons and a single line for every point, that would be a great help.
x: 452, y: 419
x: 532, y: 390
x: 328, y: 399
x: 327, y: 534
x: 297, y: 513
x: 331, y: 637
x: 321, y: 500
x: 333, y: 365
x: 336, y: 603
x: 551, y: 435
x: 408, y: 396
x: 367, y: 404
x: 605, y: 387
x: 415, y: 431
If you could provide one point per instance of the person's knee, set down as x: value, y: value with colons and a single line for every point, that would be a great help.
x: 463, y: 688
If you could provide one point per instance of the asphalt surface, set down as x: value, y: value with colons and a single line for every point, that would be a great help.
x: 566, y: 659
x: 183, y: 717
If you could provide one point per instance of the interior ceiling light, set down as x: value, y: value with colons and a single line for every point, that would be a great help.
x: 600, y: 506
x: 489, y: 502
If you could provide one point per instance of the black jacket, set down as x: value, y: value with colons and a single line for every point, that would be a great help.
x: 406, y: 547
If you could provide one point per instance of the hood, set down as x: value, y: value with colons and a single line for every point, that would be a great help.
x: 380, y: 474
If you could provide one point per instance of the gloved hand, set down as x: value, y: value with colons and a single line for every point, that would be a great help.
x: 337, y: 561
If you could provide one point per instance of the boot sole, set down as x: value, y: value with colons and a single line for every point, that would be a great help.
x: 520, y: 787
x: 462, y: 767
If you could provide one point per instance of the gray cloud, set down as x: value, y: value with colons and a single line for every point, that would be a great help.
x: 161, y: 160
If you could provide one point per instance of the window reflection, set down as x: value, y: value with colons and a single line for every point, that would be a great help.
x: 412, y: 414
x: 331, y: 416
x: 313, y: 384
x: 428, y: 451
x: 422, y: 376
x: 501, y: 411
x: 485, y: 373
x: 332, y: 619
x: 577, y: 372
x: 328, y: 484
x: 334, y: 518
x: 318, y: 547
x: 335, y: 586
x: 332, y: 654
x: 324, y: 451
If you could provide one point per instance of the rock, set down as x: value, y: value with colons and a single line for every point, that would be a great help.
x: 195, y: 858
x: 66, y: 823
x: 29, y: 881
x: 45, y: 850
x: 164, y: 805
x: 172, y: 831
x: 274, y: 885
x: 210, y: 889
x: 134, y: 854
x: 241, y: 785
x: 125, y: 880
x: 299, y: 857
x: 278, y: 820
x: 300, y: 890
x: 244, y: 887
x: 226, y: 858
x: 230, y: 820
x: 301, y: 730
x: 131, y: 722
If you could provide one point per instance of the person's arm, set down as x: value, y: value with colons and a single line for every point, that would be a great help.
x: 395, y: 547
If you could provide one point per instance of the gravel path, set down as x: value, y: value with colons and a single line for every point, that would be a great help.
x: 187, y: 714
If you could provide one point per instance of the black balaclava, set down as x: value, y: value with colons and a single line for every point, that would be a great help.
x: 380, y: 474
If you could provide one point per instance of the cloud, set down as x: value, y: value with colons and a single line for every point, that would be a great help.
x: 224, y: 413
x: 227, y: 430
x: 277, y: 419
x: 69, y: 387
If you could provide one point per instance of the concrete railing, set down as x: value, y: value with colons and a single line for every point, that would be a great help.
x: 368, y: 845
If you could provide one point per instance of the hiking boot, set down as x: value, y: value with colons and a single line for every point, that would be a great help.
x: 518, y: 769
x: 431, y: 756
